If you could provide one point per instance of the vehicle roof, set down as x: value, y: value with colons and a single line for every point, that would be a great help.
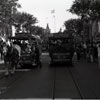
x: 22, y: 36
x: 59, y: 36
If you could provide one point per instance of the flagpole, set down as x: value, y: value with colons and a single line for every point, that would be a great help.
x: 54, y: 23
x: 53, y: 12
x: 47, y: 22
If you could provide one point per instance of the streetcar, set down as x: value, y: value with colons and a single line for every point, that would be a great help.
x: 61, y: 48
x: 26, y: 41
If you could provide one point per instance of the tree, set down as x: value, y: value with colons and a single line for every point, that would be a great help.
x: 89, y: 11
x: 73, y: 26
x: 24, y: 22
x: 7, y: 10
x: 86, y: 8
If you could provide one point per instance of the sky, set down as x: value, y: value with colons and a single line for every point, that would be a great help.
x: 41, y: 9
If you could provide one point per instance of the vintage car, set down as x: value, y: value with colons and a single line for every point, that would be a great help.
x: 60, y: 48
x: 26, y: 41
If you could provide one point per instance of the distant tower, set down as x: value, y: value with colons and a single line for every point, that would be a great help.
x: 47, y: 32
x: 47, y: 29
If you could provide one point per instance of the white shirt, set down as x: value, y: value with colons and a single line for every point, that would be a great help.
x: 18, y: 48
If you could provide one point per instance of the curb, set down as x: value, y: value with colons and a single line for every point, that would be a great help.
x: 1, y: 73
x: 44, y: 54
x: 1, y: 62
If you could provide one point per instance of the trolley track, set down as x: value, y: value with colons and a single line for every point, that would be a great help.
x: 54, y: 83
x: 57, y: 71
x: 68, y: 70
x: 76, y: 84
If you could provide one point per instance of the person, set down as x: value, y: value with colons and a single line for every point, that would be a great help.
x: 95, y: 52
x: 16, y: 46
x: 87, y: 53
x: 1, y: 49
x: 23, y: 46
x: 91, y: 53
x: 84, y: 49
x: 37, y: 54
x: 78, y: 52
x: 98, y: 48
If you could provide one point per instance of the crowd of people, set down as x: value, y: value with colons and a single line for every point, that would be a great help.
x: 88, y: 51
x: 11, y: 53
x: 22, y: 47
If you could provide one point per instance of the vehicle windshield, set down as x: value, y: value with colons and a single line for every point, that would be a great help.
x: 59, y: 41
x: 60, y: 44
x: 25, y: 44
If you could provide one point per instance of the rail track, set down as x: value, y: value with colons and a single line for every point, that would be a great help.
x: 73, y: 80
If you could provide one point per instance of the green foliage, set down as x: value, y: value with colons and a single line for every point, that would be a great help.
x: 24, y: 21
x: 86, y: 8
x: 80, y: 7
x: 73, y: 26
x: 37, y: 30
x: 7, y: 10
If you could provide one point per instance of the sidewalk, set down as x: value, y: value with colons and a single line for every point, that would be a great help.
x: 45, y: 53
x: 2, y: 70
x: 1, y: 61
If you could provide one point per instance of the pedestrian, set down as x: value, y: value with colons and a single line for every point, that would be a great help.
x: 98, y: 48
x: 1, y: 49
x: 95, y: 52
x: 84, y: 50
x: 91, y: 53
x: 36, y: 54
x: 78, y: 52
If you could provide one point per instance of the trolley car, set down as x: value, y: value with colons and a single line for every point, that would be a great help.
x: 25, y: 41
x: 61, y: 48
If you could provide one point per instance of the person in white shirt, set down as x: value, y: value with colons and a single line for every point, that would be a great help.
x: 18, y: 48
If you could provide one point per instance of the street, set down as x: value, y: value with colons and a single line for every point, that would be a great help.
x: 80, y: 81
x: 50, y: 50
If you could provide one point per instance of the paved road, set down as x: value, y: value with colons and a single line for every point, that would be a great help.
x: 80, y: 81
x: 88, y: 78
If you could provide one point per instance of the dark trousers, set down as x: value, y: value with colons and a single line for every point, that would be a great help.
x: 37, y: 58
x: 78, y: 56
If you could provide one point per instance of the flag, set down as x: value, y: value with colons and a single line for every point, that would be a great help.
x: 52, y: 11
